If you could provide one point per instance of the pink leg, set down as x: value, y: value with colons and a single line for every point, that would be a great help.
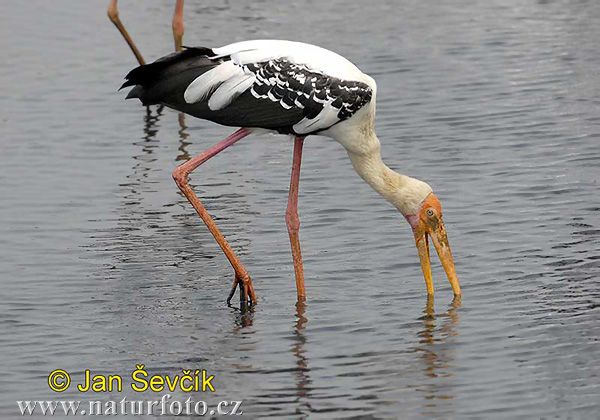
x: 178, y: 30
x: 180, y: 174
x: 178, y: 27
x: 292, y: 220
x: 113, y: 15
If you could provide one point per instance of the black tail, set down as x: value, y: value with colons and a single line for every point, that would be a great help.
x: 149, y: 75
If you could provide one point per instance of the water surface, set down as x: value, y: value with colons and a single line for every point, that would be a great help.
x: 103, y: 264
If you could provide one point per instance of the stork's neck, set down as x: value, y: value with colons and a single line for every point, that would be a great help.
x: 402, y: 191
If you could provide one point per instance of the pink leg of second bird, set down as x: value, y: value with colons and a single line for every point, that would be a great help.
x: 181, y: 178
x: 178, y: 28
x: 113, y: 15
x: 292, y: 220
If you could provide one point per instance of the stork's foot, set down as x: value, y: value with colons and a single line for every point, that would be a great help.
x: 247, y: 294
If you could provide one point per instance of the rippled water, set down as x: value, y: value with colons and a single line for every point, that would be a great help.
x: 104, y: 264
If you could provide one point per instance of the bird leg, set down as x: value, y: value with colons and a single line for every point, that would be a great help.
x: 113, y: 15
x: 178, y: 27
x: 178, y: 30
x: 292, y: 220
x: 180, y: 175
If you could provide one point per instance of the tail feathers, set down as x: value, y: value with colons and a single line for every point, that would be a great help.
x: 136, y: 92
x: 148, y: 73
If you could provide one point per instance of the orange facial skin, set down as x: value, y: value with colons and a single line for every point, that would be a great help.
x: 430, y: 224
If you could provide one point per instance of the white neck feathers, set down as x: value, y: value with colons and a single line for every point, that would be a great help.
x: 364, y: 151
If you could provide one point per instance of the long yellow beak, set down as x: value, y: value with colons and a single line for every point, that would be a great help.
x: 440, y: 241
x: 423, y: 247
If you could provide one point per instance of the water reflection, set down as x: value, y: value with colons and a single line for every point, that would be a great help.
x: 302, y: 373
x: 150, y: 123
x: 245, y: 316
x: 437, y: 356
x: 126, y: 241
x: 137, y: 181
x: 184, y: 155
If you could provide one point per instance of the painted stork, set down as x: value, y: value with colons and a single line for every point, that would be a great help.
x: 295, y: 89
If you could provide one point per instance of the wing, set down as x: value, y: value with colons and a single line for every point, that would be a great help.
x: 166, y: 80
x: 324, y: 86
x: 285, y: 86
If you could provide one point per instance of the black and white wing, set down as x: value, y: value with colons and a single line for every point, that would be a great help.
x: 285, y: 86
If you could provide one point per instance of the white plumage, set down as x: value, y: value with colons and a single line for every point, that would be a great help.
x: 317, y: 58
x: 230, y: 90
x: 200, y: 89
x: 243, y: 70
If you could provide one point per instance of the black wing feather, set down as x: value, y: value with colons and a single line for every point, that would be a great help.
x: 283, y: 94
x: 165, y: 81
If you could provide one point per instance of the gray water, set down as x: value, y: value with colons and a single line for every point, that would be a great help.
x: 104, y: 264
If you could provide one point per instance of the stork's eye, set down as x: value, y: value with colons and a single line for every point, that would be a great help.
x: 429, y: 212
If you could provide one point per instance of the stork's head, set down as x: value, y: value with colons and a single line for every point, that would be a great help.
x: 428, y: 223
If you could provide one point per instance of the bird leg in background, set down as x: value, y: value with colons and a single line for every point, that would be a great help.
x: 292, y: 220
x: 180, y: 175
x: 113, y: 15
x: 178, y: 30
x: 178, y: 27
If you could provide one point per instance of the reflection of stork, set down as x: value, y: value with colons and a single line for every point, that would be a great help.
x: 178, y: 29
x: 436, y: 357
x: 296, y: 89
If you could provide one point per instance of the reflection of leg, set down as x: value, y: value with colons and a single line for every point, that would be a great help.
x: 429, y: 308
x: 113, y: 15
x: 178, y: 27
x: 184, y: 155
x: 292, y: 220
x: 302, y: 374
x: 181, y: 178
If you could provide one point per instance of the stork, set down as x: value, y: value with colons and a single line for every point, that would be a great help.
x: 295, y: 89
